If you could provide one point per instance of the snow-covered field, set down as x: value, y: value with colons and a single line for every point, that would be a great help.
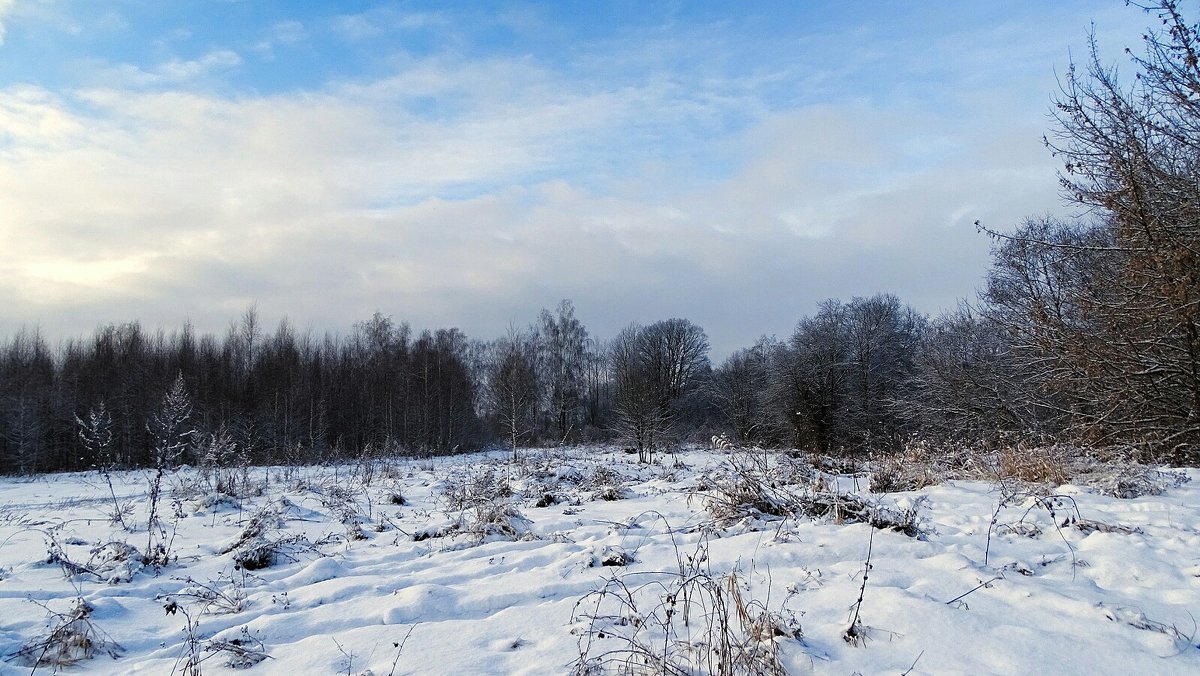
x: 477, y: 565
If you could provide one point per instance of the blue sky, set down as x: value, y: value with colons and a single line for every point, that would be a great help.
x: 469, y: 163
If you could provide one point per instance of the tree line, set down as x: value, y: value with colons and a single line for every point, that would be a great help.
x: 127, y: 397
x: 1087, y: 330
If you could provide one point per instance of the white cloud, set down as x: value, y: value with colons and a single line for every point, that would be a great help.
x: 148, y: 190
x: 378, y: 21
x: 330, y: 205
x: 288, y: 32
x: 173, y: 73
x: 6, y: 7
x: 474, y: 192
x: 181, y: 70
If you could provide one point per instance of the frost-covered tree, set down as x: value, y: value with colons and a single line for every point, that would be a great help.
x: 844, y: 371
x: 223, y: 461
x: 170, y: 427
x: 1106, y: 308
x: 96, y: 436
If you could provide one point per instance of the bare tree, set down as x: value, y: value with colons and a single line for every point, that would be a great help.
x: 813, y: 386
x: 563, y: 343
x: 95, y: 433
x: 742, y: 393
x: 27, y: 378
x: 597, y: 388
x: 882, y: 334
x: 655, y: 369
x: 513, y: 387
x: 1109, y: 308
x: 638, y: 414
x: 966, y: 383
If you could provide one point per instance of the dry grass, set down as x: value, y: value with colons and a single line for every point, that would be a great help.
x: 924, y: 463
x: 71, y: 638
x: 775, y: 486
x: 1036, y: 464
x: 691, y: 622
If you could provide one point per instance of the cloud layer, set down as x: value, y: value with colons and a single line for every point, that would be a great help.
x: 455, y: 188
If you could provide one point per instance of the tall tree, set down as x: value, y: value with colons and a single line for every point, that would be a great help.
x: 741, y: 391
x: 1113, y: 303
x: 563, y: 342
x: 513, y: 388
x: 656, y: 369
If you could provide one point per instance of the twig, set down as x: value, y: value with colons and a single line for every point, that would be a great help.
x: 912, y: 666
x: 399, y: 649
x: 854, y: 634
x: 981, y: 585
x: 349, y: 657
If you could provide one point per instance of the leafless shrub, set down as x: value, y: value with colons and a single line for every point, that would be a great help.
x: 685, y: 622
x: 475, y: 488
x: 1127, y: 480
x: 606, y: 484
x: 115, y: 562
x: 546, y: 500
x: 612, y: 556
x: 265, y: 552
x: 71, y: 637
x: 924, y: 463
x: 343, y: 504
x: 480, y: 497
x: 1020, y: 529
x: 215, y: 502
x: 227, y: 594
x: 841, y: 464
x: 757, y: 485
x: 243, y: 652
x: 1091, y: 526
x: 266, y: 518
x: 495, y: 520
x: 57, y: 555
x: 1030, y: 502
x: 255, y: 548
x: 1138, y: 620
x: 747, y: 485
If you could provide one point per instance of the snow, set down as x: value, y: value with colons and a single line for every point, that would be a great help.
x: 1005, y: 579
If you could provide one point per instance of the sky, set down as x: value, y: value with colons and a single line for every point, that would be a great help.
x: 467, y: 164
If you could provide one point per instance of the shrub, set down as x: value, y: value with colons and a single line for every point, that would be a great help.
x: 756, y: 485
x: 255, y: 548
x: 923, y: 463
x: 71, y: 637
x: 693, y: 621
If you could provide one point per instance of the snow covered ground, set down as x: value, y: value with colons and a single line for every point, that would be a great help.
x: 584, y: 560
